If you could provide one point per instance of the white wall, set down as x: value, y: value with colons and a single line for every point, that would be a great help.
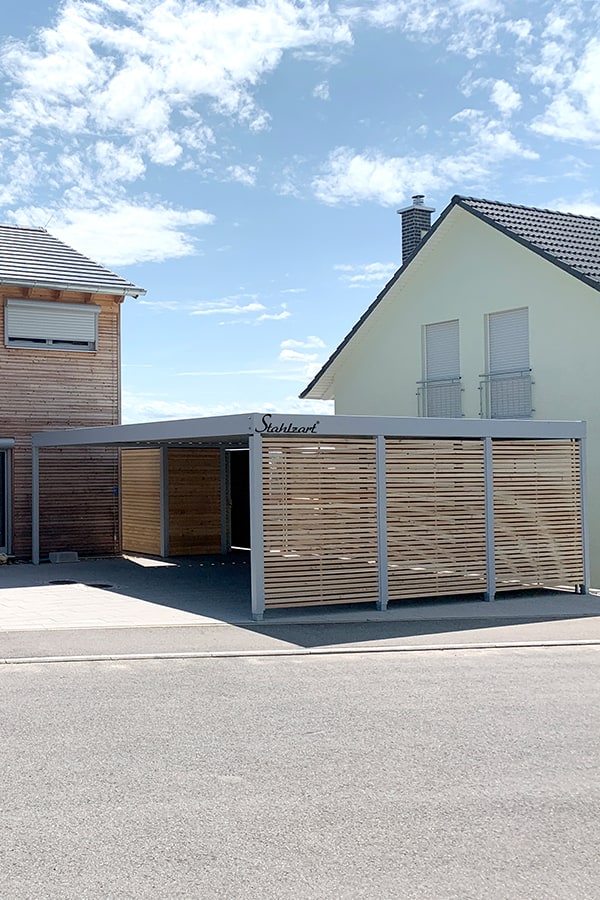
x: 466, y: 270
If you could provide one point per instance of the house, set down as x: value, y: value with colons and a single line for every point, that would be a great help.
x: 494, y: 313
x: 59, y: 368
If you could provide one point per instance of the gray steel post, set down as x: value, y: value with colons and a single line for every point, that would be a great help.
x: 8, y: 499
x: 490, y: 550
x: 257, y: 550
x: 35, y: 506
x: 584, y: 517
x: 382, y: 542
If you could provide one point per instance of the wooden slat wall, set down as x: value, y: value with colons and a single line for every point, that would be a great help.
x: 194, y: 501
x: 320, y: 521
x: 537, y: 513
x: 140, y: 500
x: 79, y: 500
x: 49, y: 389
x: 435, y: 517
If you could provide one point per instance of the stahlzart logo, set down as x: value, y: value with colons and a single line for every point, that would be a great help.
x: 285, y: 427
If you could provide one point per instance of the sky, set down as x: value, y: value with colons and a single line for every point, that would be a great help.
x: 244, y: 161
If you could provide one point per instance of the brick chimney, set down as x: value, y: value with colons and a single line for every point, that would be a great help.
x: 416, y: 222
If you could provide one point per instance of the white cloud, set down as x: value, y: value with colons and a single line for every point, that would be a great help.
x: 121, y: 233
x: 321, y: 91
x: 366, y: 274
x: 275, y: 317
x: 130, y: 68
x: 296, y: 356
x: 350, y: 176
x: 243, y: 174
x: 574, y: 112
x: 505, y: 97
x: 147, y: 408
x: 225, y: 307
x: 310, y: 342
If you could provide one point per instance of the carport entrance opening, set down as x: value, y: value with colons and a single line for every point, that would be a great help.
x: 239, y: 498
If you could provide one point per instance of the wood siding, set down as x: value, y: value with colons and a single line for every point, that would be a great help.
x: 435, y: 518
x: 320, y: 521
x: 140, y: 501
x: 194, y: 501
x: 320, y: 518
x: 537, y: 513
x: 49, y: 389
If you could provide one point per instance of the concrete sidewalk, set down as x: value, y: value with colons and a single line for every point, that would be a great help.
x: 137, y: 605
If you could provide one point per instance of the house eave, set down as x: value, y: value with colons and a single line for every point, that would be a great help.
x: 125, y: 291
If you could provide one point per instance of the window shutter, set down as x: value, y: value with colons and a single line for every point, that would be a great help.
x: 508, y: 334
x: 441, y: 390
x: 52, y: 322
x: 442, y: 355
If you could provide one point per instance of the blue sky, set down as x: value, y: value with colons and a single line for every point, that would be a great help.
x: 244, y: 161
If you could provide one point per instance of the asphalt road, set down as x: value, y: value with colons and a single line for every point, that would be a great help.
x: 468, y: 774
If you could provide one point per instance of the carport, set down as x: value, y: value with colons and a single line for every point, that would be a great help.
x: 356, y: 509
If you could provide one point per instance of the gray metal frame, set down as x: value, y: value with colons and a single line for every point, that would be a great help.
x: 6, y: 446
x: 247, y: 430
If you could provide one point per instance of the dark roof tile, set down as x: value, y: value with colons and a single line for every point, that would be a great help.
x: 572, y: 239
x: 33, y: 257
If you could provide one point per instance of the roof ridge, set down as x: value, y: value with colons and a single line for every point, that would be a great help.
x: 555, y: 212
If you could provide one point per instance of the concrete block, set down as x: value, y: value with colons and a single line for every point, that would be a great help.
x: 64, y: 556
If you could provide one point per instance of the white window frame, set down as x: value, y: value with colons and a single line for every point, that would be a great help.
x: 45, y: 325
x: 440, y: 394
x: 506, y: 389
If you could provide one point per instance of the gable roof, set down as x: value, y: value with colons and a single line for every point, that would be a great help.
x: 34, y: 258
x: 568, y: 240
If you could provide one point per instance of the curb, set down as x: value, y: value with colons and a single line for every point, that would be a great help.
x: 300, y: 651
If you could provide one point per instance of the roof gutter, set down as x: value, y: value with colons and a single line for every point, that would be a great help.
x: 129, y: 291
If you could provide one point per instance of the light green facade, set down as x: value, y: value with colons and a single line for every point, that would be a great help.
x: 465, y: 271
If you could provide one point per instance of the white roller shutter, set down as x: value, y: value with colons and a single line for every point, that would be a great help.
x: 509, y: 377
x: 442, y: 355
x: 51, y: 323
x: 508, y: 334
x: 441, y: 389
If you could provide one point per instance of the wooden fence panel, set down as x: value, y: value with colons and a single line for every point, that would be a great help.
x: 435, y: 518
x: 140, y: 500
x: 537, y: 513
x: 194, y: 501
x: 320, y: 521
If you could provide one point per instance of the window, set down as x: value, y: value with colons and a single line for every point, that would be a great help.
x: 54, y: 326
x: 440, y: 391
x: 506, y: 386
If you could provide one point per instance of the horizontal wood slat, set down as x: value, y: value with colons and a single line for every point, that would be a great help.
x: 320, y: 521
x: 537, y: 513
x: 194, y: 501
x: 435, y: 518
x: 140, y: 500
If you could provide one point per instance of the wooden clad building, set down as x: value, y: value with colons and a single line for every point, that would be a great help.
x: 354, y: 509
x: 59, y: 368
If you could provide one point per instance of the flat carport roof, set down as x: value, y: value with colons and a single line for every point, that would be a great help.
x: 247, y: 430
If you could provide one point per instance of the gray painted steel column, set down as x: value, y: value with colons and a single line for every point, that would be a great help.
x: 382, y: 542
x: 164, y: 501
x: 8, y: 499
x: 257, y: 553
x: 584, y: 525
x: 35, y: 506
x: 490, y: 550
